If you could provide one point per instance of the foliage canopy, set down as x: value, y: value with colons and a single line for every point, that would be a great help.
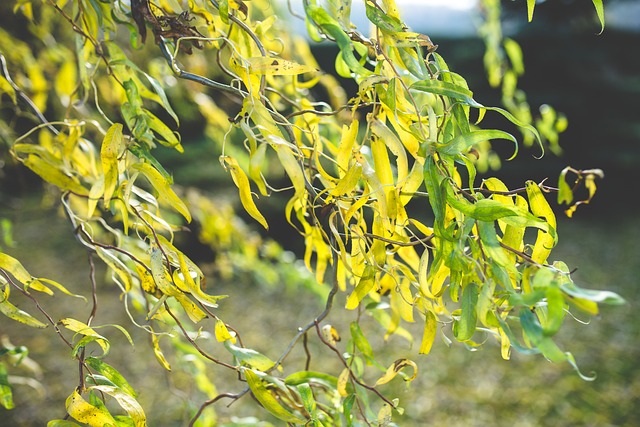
x: 382, y: 187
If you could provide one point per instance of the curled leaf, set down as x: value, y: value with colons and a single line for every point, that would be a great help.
x: 395, y: 368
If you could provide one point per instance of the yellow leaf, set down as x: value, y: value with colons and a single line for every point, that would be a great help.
x: 265, y: 65
x: 348, y: 182
x: 126, y: 401
x: 163, y: 188
x: 81, y: 410
x: 347, y: 141
x: 5, y: 87
x: 545, y: 241
x: 186, y: 276
x: 393, y: 143
x: 158, y: 352
x: 396, y: 367
x: 66, y: 81
x: 429, y: 335
x: 83, y: 329
x: 330, y: 334
x: 246, y: 197
x: 343, y: 380
x: 109, y: 151
x: 222, y: 333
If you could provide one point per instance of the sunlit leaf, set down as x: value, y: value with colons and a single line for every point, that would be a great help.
x: 81, y: 410
x: 429, y: 334
x: 126, y: 401
x: 246, y: 196
x: 395, y: 368
x: 83, y: 329
x: 276, y: 66
x: 600, y: 11
x: 222, y: 333
x: 364, y: 286
x: 163, y: 187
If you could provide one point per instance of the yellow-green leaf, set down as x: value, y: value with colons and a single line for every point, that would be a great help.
x: 14, y: 267
x: 364, y: 286
x: 126, y: 401
x: 268, y: 401
x: 163, y: 187
x: 13, y: 312
x: 109, y: 151
x: 250, y: 357
x: 55, y: 176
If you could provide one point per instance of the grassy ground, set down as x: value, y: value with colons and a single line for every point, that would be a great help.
x: 455, y: 387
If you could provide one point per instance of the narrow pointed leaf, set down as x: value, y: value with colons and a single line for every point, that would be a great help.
x: 268, y: 401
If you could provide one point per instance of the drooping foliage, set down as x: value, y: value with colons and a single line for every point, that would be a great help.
x: 382, y: 189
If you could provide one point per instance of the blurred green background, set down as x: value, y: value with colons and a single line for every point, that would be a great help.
x: 593, y: 79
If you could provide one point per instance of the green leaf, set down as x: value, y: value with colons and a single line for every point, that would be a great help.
x: 465, y: 326
x: 308, y: 401
x: 464, y: 141
x: 112, y: 374
x: 388, y: 24
x: 332, y: 28
x: 312, y: 377
x: 454, y: 91
x: 250, y: 357
x: 6, y: 396
x: 602, y: 297
x: 361, y: 341
x: 268, y: 401
x: 62, y: 423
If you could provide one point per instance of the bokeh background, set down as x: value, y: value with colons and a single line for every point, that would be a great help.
x: 593, y: 79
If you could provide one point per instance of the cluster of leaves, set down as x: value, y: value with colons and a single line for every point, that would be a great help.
x: 382, y: 190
